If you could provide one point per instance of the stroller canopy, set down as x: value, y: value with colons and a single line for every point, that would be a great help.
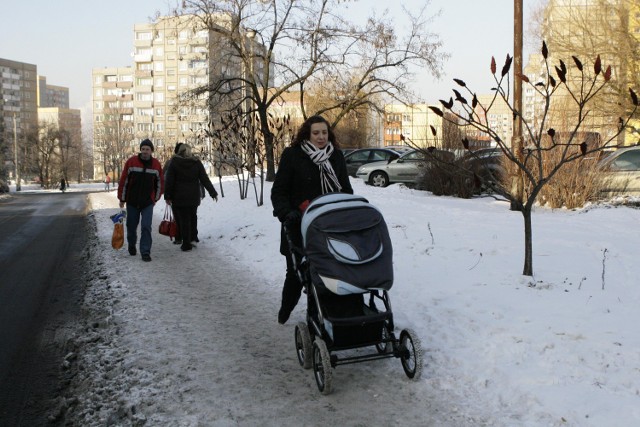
x: 347, y: 244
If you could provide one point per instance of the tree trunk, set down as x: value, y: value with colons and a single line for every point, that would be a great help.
x: 268, y: 148
x: 528, y: 242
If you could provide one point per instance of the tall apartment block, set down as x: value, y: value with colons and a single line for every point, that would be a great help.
x: 18, y: 90
x: 170, y: 56
x: 52, y: 96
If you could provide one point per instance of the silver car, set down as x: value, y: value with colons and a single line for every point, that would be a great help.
x: 406, y: 169
x: 621, y: 172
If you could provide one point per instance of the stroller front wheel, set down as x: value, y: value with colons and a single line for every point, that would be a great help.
x: 322, y: 366
x: 303, y: 345
x: 410, y: 354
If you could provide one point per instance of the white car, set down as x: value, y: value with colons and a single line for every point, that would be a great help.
x: 406, y: 169
x: 621, y: 172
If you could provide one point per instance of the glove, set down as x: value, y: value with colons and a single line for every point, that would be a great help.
x: 214, y: 197
x: 293, y: 217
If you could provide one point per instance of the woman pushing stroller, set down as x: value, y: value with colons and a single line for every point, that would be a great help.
x: 313, y: 165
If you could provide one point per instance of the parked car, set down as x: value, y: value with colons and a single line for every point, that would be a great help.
x: 399, y: 148
x: 360, y: 157
x: 346, y: 151
x: 621, y: 172
x: 406, y: 169
x: 486, y: 167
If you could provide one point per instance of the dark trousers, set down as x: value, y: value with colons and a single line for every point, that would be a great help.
x: 186, y: 217
x: 292, y: 288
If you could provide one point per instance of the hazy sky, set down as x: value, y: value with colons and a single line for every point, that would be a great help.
x: 66, y: 39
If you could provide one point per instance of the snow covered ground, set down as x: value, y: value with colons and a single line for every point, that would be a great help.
x: 191, y: 339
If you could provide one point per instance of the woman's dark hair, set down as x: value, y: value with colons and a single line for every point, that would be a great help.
x: 304, y: 133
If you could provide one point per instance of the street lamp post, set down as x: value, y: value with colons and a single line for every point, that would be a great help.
x: 251, y: 34
x: 15, y: 152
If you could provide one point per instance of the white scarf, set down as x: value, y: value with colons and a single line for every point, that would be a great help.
x: 320, y: 156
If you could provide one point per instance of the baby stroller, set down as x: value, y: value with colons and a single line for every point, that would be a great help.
x: 344, y: 262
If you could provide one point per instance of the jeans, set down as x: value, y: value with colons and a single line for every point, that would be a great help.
x: 133, y: 218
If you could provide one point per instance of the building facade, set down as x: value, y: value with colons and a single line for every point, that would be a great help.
x: 411, y: 125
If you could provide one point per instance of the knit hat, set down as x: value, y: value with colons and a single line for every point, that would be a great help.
x: 147, y: 142
x: 175, y: 150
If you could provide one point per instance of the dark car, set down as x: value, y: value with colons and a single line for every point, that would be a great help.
x: 486, y: 166
x: 360, y: 157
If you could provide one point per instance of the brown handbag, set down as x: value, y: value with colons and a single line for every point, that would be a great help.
x: 168, y: 226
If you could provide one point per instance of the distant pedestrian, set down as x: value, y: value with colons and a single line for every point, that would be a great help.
x: 185, y: 175
x: 140, y: 187
x: 63, y: 185
x: 107, y: 182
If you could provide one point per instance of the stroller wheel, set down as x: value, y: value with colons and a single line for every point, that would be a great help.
x: 385, y: 345
x: 322, y: 366
x: 303, y: 345
x: 410, y: 354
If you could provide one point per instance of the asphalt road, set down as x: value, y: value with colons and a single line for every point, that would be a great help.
x: 42, y: 238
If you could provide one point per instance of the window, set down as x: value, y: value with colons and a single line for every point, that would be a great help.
x: 143, y: 35
x: 158, y: 66
x: 159, y: 51
x: 146, y: 81
x: 159, y: 112
x: 159, y: 127
x: 144, y: 96
x: 159, y: 96
x: 159, y: 82
x: 629, y: 161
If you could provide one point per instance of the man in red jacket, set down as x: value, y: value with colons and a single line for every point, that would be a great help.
x: 141, y: 185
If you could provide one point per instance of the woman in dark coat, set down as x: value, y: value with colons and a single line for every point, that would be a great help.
x: 313, y: 165
x: 183, y: 181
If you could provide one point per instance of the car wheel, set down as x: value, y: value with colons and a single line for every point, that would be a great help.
x: 379, y: 179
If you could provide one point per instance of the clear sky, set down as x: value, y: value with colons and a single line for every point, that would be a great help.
x: 66, y: 39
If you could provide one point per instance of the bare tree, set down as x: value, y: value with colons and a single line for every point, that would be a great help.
x: 602, y: 26
x: 113, y: 139
x: 295, y: 40
x: 537, y: 165
x: 46, y: 143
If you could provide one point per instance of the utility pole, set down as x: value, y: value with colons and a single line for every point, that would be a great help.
x: 15, y: 152
x: 516, y: 142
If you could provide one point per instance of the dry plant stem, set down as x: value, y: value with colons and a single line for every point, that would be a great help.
x: 604, y: 259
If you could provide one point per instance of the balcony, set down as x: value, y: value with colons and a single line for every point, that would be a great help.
x: 144, y: 73
x: 142, y: 58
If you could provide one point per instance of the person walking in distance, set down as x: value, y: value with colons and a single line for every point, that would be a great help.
x: 313, y: 165
x: 185, y: 176
x: 107, y: 183
x: 141, y: 185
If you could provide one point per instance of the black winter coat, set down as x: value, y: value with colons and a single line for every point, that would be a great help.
x: 183, y: 179
x: 298, y: 180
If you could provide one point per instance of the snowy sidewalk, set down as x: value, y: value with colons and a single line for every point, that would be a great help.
x: 192, y: 340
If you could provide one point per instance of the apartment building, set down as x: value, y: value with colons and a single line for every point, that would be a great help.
x: 113, y: 125
x: 585, y: 29
x: 18, y: 90
x: 154, y: 97
x: 411, y: 123
x: 499, y: 118
x: 51, y: 95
